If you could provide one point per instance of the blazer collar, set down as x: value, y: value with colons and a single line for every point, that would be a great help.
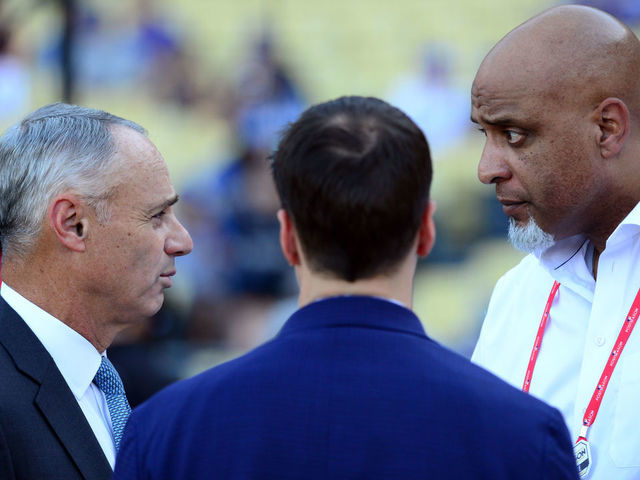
x: 54, y: 398
x: 354, y: 311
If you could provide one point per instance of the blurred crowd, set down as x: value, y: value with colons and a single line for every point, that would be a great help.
x: 235, y: 290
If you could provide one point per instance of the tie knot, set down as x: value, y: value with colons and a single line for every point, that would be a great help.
x: 108, y: 379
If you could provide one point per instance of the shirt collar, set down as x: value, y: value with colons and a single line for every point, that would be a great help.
x: 76, y: 358
x: 564, y: 250
x: 565, y: 259
x: 561, y: 252
x: 384, y: 299
x: 627, y: 228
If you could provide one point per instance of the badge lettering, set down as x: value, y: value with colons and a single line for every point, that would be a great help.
x: 582, y: 452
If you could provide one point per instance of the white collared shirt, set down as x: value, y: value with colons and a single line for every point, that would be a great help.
x: 76, y: 358
x: 585, y: 319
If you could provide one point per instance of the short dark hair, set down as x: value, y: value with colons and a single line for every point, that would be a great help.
x: 354, y: 175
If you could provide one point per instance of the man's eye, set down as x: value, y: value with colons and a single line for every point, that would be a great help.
x: 159, y: 214
x: 514, y: 138
x: 482, y: 131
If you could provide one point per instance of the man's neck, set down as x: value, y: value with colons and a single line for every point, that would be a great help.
x: 58, y: 298
x: 596, y: 256
x: 315, y: 286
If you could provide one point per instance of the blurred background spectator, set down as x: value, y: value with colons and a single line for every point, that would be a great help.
x: 436, y: 101
x: 238, y: 272
x: 15, y: 84
x: 215, y: 82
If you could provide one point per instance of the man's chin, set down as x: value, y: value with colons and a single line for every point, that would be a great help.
x: 152, y: 306
x: 528, y: 236
x: 520, y: 222
x: 158, y: 304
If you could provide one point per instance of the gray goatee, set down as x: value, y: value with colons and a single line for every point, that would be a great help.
x: 530, y: 237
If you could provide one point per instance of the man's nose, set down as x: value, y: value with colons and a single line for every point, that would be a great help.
x: 179, y: 242
x: 493, y: 167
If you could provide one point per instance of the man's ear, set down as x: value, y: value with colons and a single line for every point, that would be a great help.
x: 68, y: 221
x: 612, y: 116
x: 288, y: 240
x: 427, y: 231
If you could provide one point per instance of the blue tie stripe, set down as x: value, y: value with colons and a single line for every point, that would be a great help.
x: 109, y: 382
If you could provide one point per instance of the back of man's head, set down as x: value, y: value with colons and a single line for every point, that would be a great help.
x: 354, y: 176
x: 58, y: 147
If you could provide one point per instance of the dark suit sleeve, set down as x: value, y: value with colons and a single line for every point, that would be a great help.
x: 558, y: 462
x: 6, y: 466
x: 127, y: 460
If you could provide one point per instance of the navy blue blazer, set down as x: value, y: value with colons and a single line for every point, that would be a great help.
x: 43, y: 433
x: 351, y: 388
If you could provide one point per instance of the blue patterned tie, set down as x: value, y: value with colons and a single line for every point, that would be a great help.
x: 109, y: 382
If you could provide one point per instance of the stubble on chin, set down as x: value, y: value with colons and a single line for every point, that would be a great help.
x: 529, y: 237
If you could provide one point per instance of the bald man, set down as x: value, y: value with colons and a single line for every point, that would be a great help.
x: 558, y: 101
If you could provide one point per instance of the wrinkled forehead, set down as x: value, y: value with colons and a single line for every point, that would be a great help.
x: 529, y: 75
x: 504, y: 88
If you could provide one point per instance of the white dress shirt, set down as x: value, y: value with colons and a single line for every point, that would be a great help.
x: 585, y: 319
x: 76, y: 358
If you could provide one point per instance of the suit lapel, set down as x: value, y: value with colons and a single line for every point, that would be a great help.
x: 71, y: 426
x: 54, y: 399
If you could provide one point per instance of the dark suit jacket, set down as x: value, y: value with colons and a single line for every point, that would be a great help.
x: 350, y: 388
x: 43, y: 433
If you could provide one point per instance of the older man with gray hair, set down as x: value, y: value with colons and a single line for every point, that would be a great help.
x: 89, y: 240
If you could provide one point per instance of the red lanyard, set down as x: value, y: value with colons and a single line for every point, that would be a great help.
x: 598, y: 394
x: 538, y: 342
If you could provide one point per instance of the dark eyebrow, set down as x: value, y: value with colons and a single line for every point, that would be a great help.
x: 504, y: 121
x: 497, y: 121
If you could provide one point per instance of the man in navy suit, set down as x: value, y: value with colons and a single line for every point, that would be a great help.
x: 351, y: 387
x: 89, y: 240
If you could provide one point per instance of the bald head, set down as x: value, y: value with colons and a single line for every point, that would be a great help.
x: 559, y: 100
x: 573, y: 53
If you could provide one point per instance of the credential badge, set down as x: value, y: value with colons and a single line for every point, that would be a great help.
x: 582, y: 452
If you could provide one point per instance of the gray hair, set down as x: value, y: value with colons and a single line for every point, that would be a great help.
x: 58, y: 147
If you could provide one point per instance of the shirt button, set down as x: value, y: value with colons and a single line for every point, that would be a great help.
x: 599, y: 340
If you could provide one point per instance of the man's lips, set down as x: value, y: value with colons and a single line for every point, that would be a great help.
x: 511, y: 207
x: 167, y: 276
